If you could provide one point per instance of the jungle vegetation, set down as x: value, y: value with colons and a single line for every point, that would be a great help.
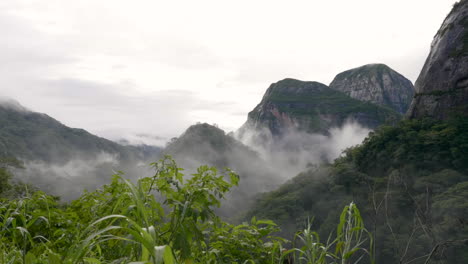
x: 410, y: 181
x: 167, y: 218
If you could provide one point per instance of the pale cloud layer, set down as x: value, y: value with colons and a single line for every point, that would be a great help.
x: 121, y: 68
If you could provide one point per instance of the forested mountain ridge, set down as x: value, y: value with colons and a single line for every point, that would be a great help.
x: 376, y: 83
x: 410, y: 180
x: 64, y: 161
x: 29, y: 135
x: 206, y: 144
x: 311, y: 107
x: 411, y: 184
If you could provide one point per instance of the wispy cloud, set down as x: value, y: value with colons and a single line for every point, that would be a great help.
x: 121, y: 62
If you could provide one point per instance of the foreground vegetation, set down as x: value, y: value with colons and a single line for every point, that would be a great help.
x: 167, y: 218
x: 410, y: 180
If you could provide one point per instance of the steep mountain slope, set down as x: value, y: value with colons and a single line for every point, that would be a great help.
x: 204, y: 144
x: 34, y: 136
x: 62, y: 160
x: 442, y: 86
x: 311, y: 107
x: 409, y: 180
x: 376, y: 83
x: 207, y: 143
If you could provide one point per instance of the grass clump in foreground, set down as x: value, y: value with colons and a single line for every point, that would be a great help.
x: 123, y: 222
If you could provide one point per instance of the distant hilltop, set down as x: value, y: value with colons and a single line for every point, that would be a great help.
x: 371, y: 95
x: 376, y: 83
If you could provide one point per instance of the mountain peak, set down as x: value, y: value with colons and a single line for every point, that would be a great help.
x: 201, y: 134
x: 311, y: 107
x: 293, y: 87
x: 442, y: 86
x: 286, y: 82
x: 371, y: 67
x: 376, y: 83
x: 12, y: 104
x: 36, y: 136
x: 201, y: 128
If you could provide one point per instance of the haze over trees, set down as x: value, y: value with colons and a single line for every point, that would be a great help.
x: 318, y: 174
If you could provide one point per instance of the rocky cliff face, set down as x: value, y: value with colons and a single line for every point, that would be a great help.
x: 442, y: 86
x: 311, y: 107
x: 376, y: 83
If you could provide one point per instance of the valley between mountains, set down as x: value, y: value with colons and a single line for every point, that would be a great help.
x: 393, y: 155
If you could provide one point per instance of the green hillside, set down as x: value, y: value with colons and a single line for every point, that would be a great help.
x: 34, y: 136
x: 411, y: 182
x: 207, y: 144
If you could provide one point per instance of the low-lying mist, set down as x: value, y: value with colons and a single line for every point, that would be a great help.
x: 295, y: 151
x: 263, y: 162
x: 12, y: 104
x: 68, y: 180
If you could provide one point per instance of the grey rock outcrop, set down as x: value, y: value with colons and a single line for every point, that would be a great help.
x: 312, y: 107
x: 442, y: 86
x: 376, y: 83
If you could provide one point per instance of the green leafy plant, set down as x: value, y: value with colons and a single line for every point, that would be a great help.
x: 166, y: 218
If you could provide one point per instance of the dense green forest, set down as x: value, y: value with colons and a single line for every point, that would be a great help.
x: 401, y: 196
x: 410, y: 181
x: 36, y: 136
x: 161, y: 219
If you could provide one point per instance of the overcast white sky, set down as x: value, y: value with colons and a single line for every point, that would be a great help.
x: 120, y: 68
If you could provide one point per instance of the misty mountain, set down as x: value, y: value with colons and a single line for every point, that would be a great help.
x: 409, y: 180
x: 376, y: 83
x: 29, y: 135
x: 301, y: 124
x: 311, y: 107
x: 204, y: 144
x: 64, y: 161
x: 207, y: 144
